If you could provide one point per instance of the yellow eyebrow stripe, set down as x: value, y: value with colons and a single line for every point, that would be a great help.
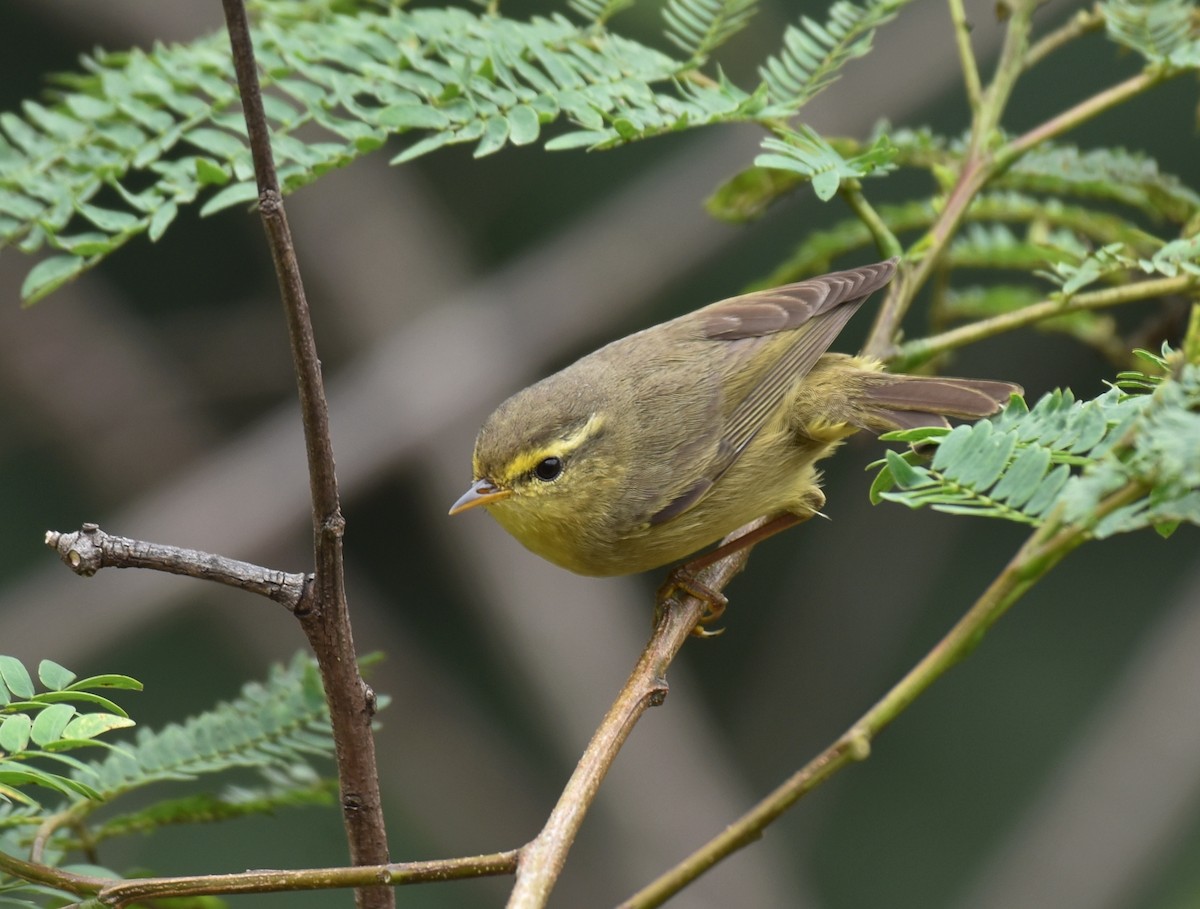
x: 525, y: 462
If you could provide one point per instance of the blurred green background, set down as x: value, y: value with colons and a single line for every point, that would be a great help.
x: 1058, y: 766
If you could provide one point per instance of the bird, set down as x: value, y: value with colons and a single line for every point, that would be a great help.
x: 658, y: 444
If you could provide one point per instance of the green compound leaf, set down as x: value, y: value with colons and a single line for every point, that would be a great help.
x: 1065, y: 457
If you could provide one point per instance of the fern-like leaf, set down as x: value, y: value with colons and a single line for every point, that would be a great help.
x: 806, y: 153
x: 296, y: 788
x: 1174, y: 258
x: 167, y: 120
x: 277, y: 723
x: 813, y: 52
x: 1163, y: 31
x: 37, y: 727
x: 1064, y: 457
x: 698, y: 27
x: 1115, y: 175
x: 598, y: 12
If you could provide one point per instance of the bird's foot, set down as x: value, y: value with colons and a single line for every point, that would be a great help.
x: 681, y: 580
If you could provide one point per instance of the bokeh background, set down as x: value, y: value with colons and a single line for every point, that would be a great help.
x: 1058, y: 766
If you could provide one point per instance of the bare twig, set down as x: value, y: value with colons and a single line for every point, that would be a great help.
x: 325, y: 615
x: 87, y: 550
x: 126, y: 893
x: 543, y: 858
x: 117, y: 893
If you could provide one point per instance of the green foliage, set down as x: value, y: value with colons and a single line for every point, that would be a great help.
x: 37, y: 727
x: 1104, y: 175
x: 1114, y: 260
x: 599, y: 12
x: 274, y: 724
x: 805, y: 153
x: 698, y: 27
x: 1049, y: 215
x: 296, y: 787
x: 1065, y: 458
x: 273, y: 728
x: 122, y: 147
x: 813, y: 53
x: 342, y: 82
x: 1165, y: 33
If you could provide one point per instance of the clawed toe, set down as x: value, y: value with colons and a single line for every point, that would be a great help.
x: 680, y: 579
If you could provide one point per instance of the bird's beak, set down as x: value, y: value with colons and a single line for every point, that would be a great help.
x: 482, y: 492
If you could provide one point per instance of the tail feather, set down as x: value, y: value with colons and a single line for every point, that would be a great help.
x: 907, y: 402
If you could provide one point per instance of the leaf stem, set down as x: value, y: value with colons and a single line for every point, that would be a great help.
x: 888, y: 243
x: 1081, y: 23
x: 914, y: 353
x: 973, y: 175
x: 1080, y: 113
x: 962, y: 37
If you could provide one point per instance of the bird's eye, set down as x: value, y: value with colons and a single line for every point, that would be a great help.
x: 548, y: 469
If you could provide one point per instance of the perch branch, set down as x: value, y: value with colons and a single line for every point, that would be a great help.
x: 542, y: 859
x: 1045, y: 548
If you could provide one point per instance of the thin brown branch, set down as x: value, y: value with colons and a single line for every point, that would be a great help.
x: 543, y: 858
x: 325, y: 615
x: 125, y: 893
x: 87, y: 550
x: 117, y: 893
x: 1045, y: 548
x: 37, y: 873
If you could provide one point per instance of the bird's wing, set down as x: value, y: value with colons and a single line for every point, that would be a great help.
x: 814, y: 312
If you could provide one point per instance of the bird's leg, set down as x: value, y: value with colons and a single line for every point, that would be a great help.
x: 683, y: 577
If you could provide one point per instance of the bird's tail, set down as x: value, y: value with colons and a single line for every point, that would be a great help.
x: 892, y: 401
